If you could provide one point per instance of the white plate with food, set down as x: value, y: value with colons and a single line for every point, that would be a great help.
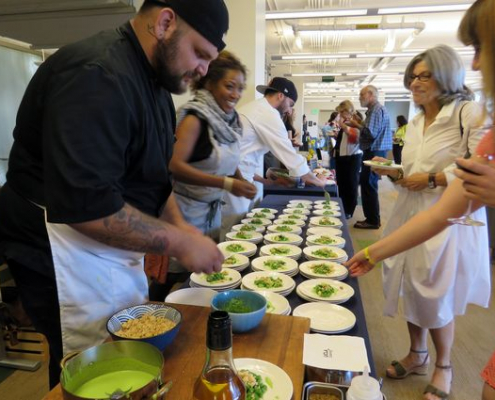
x: 300, y: 201
x: 300, y: 211
x: 191, y: 296
x: 249, y: 228
x: 302, y: 206
x: 325, y: 290
x: 271, y: 281
x: 302, y: 217
x: 283, y: 238
x: 239, y: 247
x: 265, y: 210
x: 284, y: 265
x: 256, y: 221
x: 227, y: 277
x: 327, y: 213
x: 253, y: 237
x: 389, y: 164
x: 276, y: 303
x: 330, y: 222
x: 259, y: 214
x: 323, y: 269
x: 327, y: 203
x: 260, y: 375
x: 325, y: 240
x: 325, y: 253
x: 291, y: 222
x: 239, y: 262
x: 317, y: 230
x: 326, y: 317
x: 295, y: 229
x: 286, y: 250
x: 327, y: 207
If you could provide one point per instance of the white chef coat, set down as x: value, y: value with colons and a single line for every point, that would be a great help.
x: 262, y: 131
x: 440, y: 277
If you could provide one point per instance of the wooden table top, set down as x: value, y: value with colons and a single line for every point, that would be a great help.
x: 278, y: 339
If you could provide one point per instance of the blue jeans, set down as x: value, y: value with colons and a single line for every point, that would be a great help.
x: 369, y: 188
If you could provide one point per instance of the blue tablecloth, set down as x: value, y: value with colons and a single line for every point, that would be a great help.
x: 305, y: 191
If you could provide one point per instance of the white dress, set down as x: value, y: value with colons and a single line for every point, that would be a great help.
x: 439, y: 278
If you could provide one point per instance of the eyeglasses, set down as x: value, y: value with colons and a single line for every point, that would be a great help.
x: 422, y: 77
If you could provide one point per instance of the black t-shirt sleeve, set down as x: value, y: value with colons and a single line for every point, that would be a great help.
x: 203, y: 147
x: 87, y: 128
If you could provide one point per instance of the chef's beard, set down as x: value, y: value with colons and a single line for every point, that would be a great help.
x: 166, y: 53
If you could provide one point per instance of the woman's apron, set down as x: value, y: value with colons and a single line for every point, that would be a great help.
x: 93, y: 282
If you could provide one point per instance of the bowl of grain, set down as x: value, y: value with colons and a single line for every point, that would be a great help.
x: 156, y: 324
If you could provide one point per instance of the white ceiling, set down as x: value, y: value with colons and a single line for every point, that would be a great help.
x: 430, y: 29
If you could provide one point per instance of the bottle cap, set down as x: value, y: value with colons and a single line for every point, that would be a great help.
x: 364, y: 387
x: 219, y: 331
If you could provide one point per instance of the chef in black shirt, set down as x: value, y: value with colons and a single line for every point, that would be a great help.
x: 88, y: 187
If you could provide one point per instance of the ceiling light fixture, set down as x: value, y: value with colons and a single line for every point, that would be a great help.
x: 309, y: 57
x: 273, y: 15
x: 315, y: 74
x: 424, y: 9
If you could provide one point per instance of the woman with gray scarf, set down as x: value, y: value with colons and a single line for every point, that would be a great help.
x: 206, y: 153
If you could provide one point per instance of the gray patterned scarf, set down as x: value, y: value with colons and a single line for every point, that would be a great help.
x: 226, y: 127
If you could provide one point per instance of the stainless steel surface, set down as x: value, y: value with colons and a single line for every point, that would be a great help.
x: 311, y: 387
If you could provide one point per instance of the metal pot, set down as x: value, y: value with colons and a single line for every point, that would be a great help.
x: 116, y: 370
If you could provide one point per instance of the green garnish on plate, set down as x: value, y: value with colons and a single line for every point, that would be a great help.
x: 256, y: 221
x: 322, y: 269
x: 283, y: 228
x: 280, y: 238
x: 277, y: 251
x: 274, y: 264
x: 235, y: 248
x: 243, y: 235
x: 218, y: 277
x: 325, y: 253
x: 247, y: 228
x: 326, y: 221
x: 324, y: 290
x: 268, y: 282
x: 232, y: 260
x: 324, y: 240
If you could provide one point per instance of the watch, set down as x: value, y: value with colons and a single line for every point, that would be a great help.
x: 432, y: 182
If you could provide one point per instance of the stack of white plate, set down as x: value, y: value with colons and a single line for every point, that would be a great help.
x: 238, y: 262
x: 256, y: 221
x: 327, y: 213
x: 191, y: 296
x: 338, y: 255
x: 327, y: 203
x: 259, y: 214
x: 326, y: 318
x: 316, y: 230
x: 291, y: 222
x: 323, y: 269
x: 302, y: 217
x: 327, y: 207
x: 236, y: 246
x: 252, y: 237
x: 286, y: 250
x: 300, y: 206
x: 283, y: 238
x: 327, y: 222
x: 325, y: 240
x: 249, y: 228
x: 284, y: 265
x: 306, y: 290
x: 277, y: 304
x: 231, y: 280
x: 265, y: 210
x: 302, y: 211
x: 304, y: 202
x: 297, y: 230
x: 254, y: 281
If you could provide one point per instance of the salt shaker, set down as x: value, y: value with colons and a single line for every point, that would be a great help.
x: 364, y: 387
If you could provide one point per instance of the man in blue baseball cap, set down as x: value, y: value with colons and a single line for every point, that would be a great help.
x: 88, y: 188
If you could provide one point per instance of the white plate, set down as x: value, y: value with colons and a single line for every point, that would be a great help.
x: 267, y: 210
x: 301, y: 201
x: 241, y: 262
x: 302, y: 206
x: 336, y: 241
x: 259, y: 214
x: 326, y: 207
x: 327, y: 213
x: 327, y: 222
x: 317, y: 230
x: 344, y: 291
x: 231, y: 278
x: 327, y: 203
x: 283, y: 238
x: 277, y: 229
x: 294, y: 251
x: 289, y: 264
x: 291, y: 222
x: 248, y: 248
x: 337, y: 271
x: 256, y: 221
x: 341, y: 255
x: 277, y: 304
x: 282, y: 385
x: 288, y: 284
x: 252, y: 237
x: 301, y: 211
x: 257, y: 228
x: 191, y: 296
x: 326, y: 317
x: 377, y: 164
x: 302, y: 217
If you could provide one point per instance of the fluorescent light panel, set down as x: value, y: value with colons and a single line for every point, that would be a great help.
x: 315, y: 14
x: 423, y: 9
x: 310, y: 57
x: 316, y: 74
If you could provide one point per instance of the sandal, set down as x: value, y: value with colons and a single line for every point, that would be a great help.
x: 401, y: 372
x: 436, y: 391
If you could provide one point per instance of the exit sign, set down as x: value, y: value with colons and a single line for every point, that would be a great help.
x: 328, y: 78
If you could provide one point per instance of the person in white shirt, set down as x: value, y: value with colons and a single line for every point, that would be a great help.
x: 263, y: 131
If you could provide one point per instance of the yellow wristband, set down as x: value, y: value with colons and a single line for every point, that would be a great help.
x: 367, y: 256
x: 228, y: 183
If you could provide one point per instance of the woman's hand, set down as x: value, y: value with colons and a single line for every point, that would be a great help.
x: 415, y: 182
x: 242, y: 188
x: 479, y: 185
x: 358, y: 265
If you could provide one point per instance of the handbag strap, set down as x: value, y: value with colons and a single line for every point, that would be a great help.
x: 461, y: 127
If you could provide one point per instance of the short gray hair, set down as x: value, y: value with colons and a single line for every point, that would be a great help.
x: 448, y: 71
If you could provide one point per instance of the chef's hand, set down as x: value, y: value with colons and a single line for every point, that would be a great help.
x: 415, y: 182
x: 358, y: 265
x: 479, y: 185
x: 242, y: 188
x: 381, y: 171
x: 311, y: 180
x: 197, y: 253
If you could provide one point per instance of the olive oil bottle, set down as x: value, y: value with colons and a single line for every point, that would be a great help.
x: 219, y: 379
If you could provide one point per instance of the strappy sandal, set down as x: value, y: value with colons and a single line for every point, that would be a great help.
x: 401, y: 372
x: 436, y: 391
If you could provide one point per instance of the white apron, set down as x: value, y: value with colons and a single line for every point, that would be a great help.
x: 93, y: 282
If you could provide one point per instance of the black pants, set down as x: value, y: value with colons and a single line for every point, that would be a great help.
x: 347, y: 168
x: 40, y: 300
x: 369, y: 188
x: 397, y: 151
